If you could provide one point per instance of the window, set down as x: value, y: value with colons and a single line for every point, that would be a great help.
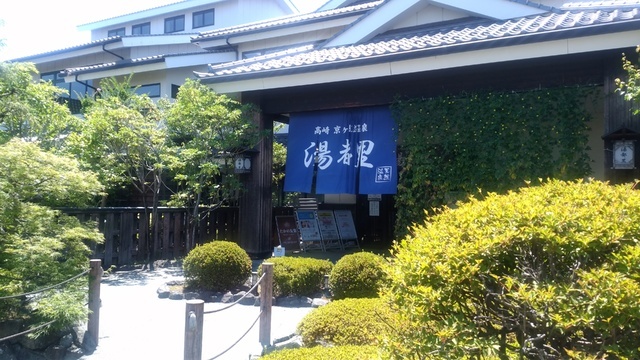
x: 174, y: 91
x: 203, y: 18
x: 153, y: 90
x: 116, y: 32
x: 141, y: 29
x: 75, y: 89
x: 174, y: 24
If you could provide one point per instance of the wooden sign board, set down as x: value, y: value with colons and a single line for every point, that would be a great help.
x: 288, y: 232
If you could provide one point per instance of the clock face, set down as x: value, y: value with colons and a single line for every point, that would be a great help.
x: 623, y: 152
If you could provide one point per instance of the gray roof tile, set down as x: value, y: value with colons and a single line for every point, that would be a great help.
x: 480, y: 33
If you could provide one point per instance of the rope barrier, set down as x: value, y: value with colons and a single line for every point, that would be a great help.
x: 237, y: 301
x: 27, y: 331
x: 241, y: 337
x: 46, y: 288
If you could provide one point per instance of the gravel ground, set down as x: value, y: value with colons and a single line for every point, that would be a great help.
x: 136, y: 324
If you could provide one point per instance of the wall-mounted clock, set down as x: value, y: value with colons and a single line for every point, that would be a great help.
x: 623, y: 154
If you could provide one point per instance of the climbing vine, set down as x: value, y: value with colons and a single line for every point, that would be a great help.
x: 454, y: 146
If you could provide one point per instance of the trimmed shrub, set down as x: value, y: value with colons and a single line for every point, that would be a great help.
x: 357, y: 275
x: 348, y: 352
x: 346, y: 322
x: 547, y: 272
x: 297, y: 275
x: 218, y: 266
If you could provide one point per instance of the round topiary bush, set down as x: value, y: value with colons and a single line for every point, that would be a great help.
x: 347, y: 322
x: 298, y: 275
x: 218, y: 266
x: 547, y: 272
x: 357, y: 275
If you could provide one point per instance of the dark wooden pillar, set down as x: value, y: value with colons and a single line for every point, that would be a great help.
x: 254, y: 234
x: 619, y: 119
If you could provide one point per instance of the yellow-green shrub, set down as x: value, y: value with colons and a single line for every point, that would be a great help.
x: 357, y: 275
x: 348, y: 352
x: 297, y: 275
x: 346, y: 322
x: 546, y: 272
x: 218, y: 265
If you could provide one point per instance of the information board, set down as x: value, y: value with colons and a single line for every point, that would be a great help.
x: 308, y: 225
x: 328, y: 229
x: 327, y: 224
x: 345, y: 224
x: 288, y: 232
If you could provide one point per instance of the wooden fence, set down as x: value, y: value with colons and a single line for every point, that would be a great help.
x: 127, y: 232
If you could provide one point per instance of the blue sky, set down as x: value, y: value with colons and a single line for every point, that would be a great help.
x: 32, y: 27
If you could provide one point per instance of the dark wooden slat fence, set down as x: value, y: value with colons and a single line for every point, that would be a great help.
x: 128, y: 232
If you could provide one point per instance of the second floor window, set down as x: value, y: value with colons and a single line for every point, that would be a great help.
x: 116, y: 32
x: 141, y: 29
x: 174, y: 24
x: 203, y: 18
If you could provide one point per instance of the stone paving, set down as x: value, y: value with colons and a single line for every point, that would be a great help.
x: 136, y: 324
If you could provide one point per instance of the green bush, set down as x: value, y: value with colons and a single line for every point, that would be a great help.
x: 297, y: 275
x: 346, y: 322
x: 549, y: 272
x: 357, y: 275
x: 348, y: 352
x: 218, y: 265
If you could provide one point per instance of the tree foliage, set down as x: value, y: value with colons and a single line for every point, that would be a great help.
x: 40, y: 246
x: 548, y: 272
x: 123, y: 137
x: 630, y: 88
x: 29, y: 110
x: 207, y: 131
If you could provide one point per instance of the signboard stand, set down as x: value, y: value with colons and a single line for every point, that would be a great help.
x: 347, y: 229
x: 288, y: 233
x: 329, y: 230
x: 309, y: 231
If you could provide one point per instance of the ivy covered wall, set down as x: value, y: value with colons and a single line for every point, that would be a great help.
x: 451, y: 147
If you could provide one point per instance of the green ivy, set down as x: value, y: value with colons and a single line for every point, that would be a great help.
x: 452, y: 146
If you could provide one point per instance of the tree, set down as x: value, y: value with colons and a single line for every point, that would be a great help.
x: 207, y: 131
x: 123, y: 139
x: 630, y: 88
x: 29, y: 110
x: 40, y: 246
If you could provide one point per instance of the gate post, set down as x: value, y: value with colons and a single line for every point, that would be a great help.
x: 193, y: 323
x: 93, y: 323
x: 266, y: 298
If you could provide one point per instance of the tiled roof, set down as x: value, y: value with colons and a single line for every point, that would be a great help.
x: 600, y: 4
x: 453, y: 38
x: 93, y: 43
x: 131, y: 62
x: 108, y: 40
x: 286, y: 21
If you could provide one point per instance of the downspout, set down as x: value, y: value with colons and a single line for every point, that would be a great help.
x: 235, y: 48
x: 85, y: 84
x: 110, y: 52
